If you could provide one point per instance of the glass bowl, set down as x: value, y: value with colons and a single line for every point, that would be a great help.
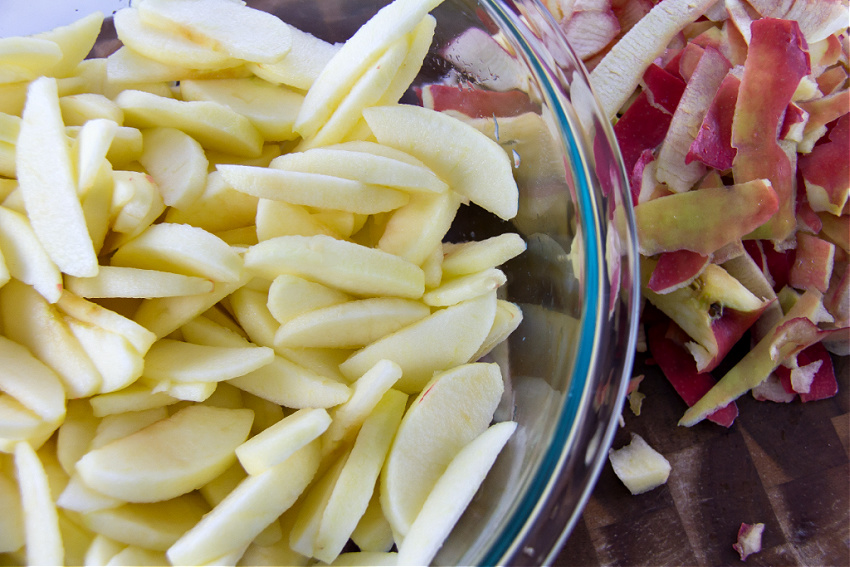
x: 567, y: 365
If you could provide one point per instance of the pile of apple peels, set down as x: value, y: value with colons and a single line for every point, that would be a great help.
x: 732, y: 119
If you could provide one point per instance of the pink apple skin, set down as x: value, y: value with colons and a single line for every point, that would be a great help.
x: 825, y: 109
x: 680, y: 370
x: 826, y: 170
x: 836, y: 229
x: 763, y: 96
x: 475, y: 102
x: 676, y: 269
x: 728, y: 329
x: 812, y: 263
x: 824, y: 385
x: 713, y: 144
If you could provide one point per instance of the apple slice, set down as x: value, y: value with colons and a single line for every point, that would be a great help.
x: 356, y: 482
x: 749, y: 540
x: 507, y: 319
x: 415, y: 229
x: 366, y: 558
x: 213, y: 125
x: 277, y: 443
x: 313, y: 189
x: 351, y: 324
x: 136, y: 202
x: 89, y: 312
x: 279, y: 218
x: 300, y: 67
x: 451, y: 494
x: 177, y: 164
x: 360, y: 51
x: 639, y: 466
x: 219, y: 207
x: 255, y: 503
x: 114, y: 281
x: 478, y: 168
x: 347, y: 266
x: 118, y: 426
x: 178, y: 361
x: 31, y: 382
x: 373, y: 533
x: 79, y: 497
x: 463, y: 288
x: 169, y: 458
x: 12, y: 522
x: 230, y: 27
x: 75, y: 41
x: 453, y: 409
x: 92, y: 144
x: 43, y: 540
x: 26, y: 58
x: 29, y: 320
x: 183, y: 249
x: 291, y: 296
x: 454, y: 335
x: 48, y: 185
x: 475, y: 256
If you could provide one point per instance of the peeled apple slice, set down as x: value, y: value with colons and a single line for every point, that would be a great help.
x: 451, y: 495
x: 470, y: 162
x: 452, y: 410
x: 41, y: 522
x: 169, y: 458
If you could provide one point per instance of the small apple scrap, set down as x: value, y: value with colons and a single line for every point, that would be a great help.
x: 749, y: 540
x: 230, y: 329
x: 733, y: 125
x: 639, y: 466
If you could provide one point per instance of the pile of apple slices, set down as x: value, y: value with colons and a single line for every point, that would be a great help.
x: 231, y: 332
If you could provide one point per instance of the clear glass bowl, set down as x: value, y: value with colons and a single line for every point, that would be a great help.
x: 567, y: 365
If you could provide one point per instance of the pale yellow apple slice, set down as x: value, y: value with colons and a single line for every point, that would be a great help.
x: 92, y: 143
x: 470, y: 162
x: 16, y: 421
x: 25, y: 58
x: 135, y: 397
x: 291, y: 296
x: 508, y: 317
x: 137, y: 202
x: 452, y: 334
x: 177, y: 164
x: 351, y: 324
x: 12, y: 521
x: 301, y: 65
x: 139, y: 556
x: 347, y: 266
x: 169, y: 458
x: 127, y: 69
x: 370, y: 41
x: 230, y: 27
x: 475, y: 256
x: 219, y: 207
x: 187, y: 391
x: 250, y: 309
x: 164, y: 315
x: 244, y: 513
x: 452, y: 292
x: 367, y: 391
x: 366, y: 558
x: 453, y: 409
x: 29, y: 320
x: 413, y: 231
x: 77, y: 109
x: 312, y: 189
x: 154, y: 525
x: 212, y: 124
x: 79, y: 497
x: 114, y: 281
x: 97, y: 204
x: 75, y: 434
x: 356, y: 482
x: 452, y: 494
x: 31, y: 382
x: 25, y: 257
x: 365, y: 92
x: 75, y: 41
x: 183, y: 249
x: 89, y: 312
x: 43, y: 540
x: 116, y: 359
x: 117, y: 426
x: 279, y: 218
x: 167, y: 46
x: 101, y: 550
x: 339, y: 161
x: 373, y: 533
x: 270, y: 108
x: 48, y: 185
x: 179, y: 361
x: 277, y: 443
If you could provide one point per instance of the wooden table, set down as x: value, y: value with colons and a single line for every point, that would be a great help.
x: 784, y: 465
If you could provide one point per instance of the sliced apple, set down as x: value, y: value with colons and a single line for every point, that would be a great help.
x: 453, y: 409
x: 75, y: 41
x: 177, y: 164
x: 344, y: 265
x: 31, y: 382
x: 244, y: 513
x: 639, y: 466
x: 279, y: 218
x: 114, y: 281
x: 12, y: 522
x: 179, y: 361
x: 415, y: 229
x: 291, y: 296
x: 454, y: 335
x: 230, y: 27
x: 26, y: 58
x: 278, y: 442
x: 463, y: 288
x: 475, y: 256
x: 219, y: 207
x: 451, y: 494
x: 183, y: 249
x: 300, y: 67
x: 43, y: 539
x: 169, y: 458
x: 351, y: 324
x: 48, y: 185
x: 478, y: 168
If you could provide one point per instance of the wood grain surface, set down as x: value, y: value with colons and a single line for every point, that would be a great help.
x: 784, y: 465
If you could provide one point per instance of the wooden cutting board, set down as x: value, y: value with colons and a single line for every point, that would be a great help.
x: 784, y: 465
